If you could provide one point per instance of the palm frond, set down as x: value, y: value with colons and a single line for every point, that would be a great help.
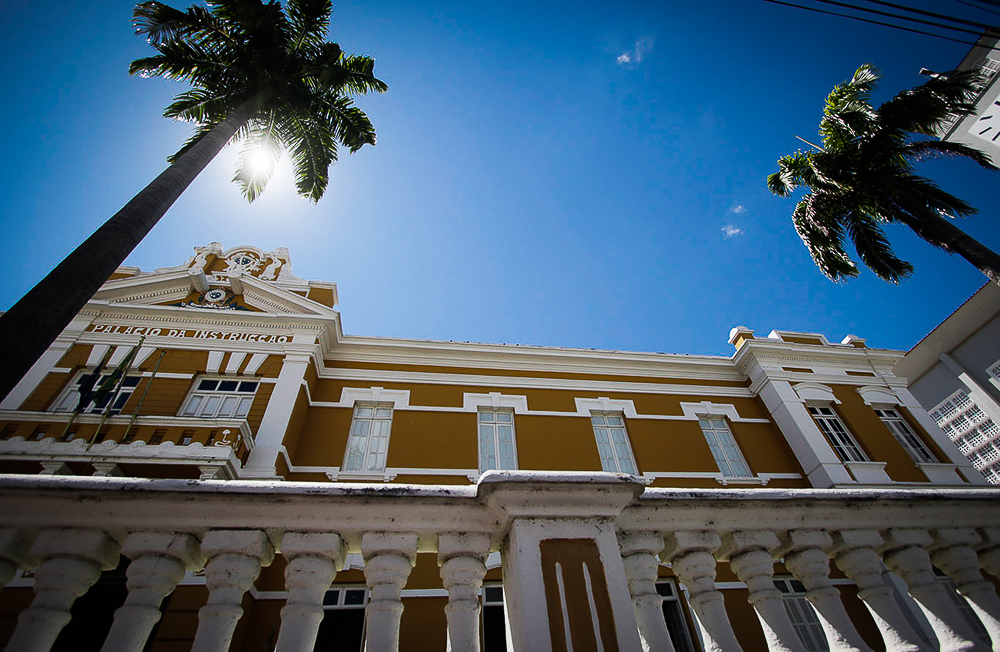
x: 825, y: 244
x: 931, y: 195
x: 309, y: 21
x: 258, y: 158
x: 874, y: 249
x: 919, y: 150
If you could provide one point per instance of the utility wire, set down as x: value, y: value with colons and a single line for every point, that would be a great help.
x: 877, y: 22
x: 891, y: 15
x: 921, y: 12
x: 969, y: 4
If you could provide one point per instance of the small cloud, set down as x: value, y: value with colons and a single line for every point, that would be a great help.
x: 643, y: 46
x: 738, y: 209
x: 731, y: 231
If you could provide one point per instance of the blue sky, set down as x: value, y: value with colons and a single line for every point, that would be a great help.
x: 531, y: 183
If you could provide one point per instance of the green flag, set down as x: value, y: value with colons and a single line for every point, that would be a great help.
x: 110, y: 384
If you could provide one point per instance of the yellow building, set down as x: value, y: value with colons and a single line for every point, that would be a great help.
x: 317, y: 484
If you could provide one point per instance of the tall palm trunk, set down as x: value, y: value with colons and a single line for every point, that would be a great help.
x: 942, y: 232
x: 33, y: 323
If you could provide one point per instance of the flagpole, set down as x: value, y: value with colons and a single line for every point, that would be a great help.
x: 135, y: 413
x: 118, y: 390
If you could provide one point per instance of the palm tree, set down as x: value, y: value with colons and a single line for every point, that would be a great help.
x: 260, y: 74
x: 863, y: 177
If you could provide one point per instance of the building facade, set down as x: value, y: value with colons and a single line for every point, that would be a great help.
x: 954, y: 372
x: 244, y: 476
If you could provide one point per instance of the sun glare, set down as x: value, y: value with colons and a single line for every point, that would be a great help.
x: 260, y: 161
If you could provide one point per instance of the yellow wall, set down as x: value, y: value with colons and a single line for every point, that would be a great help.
x: 874, y: 436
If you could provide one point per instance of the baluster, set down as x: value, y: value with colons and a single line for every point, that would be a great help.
x: 903, y: 552
x: 15, y: 547
x: 235, y: 558
x: 854, y: 553
x: 462, y: 558
x: 639, y: 554
x: 389, y: 557
x: 690, y: 556
x: 807, y: 560
x: 313, y: 560
x: 954, y: 555
x: 72, y: 560
x: 750, y: 558
x: 989, y: 550
x: 159, y: 560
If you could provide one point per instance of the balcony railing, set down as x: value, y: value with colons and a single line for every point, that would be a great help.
x: 211, y: 448
x: 581, y: 554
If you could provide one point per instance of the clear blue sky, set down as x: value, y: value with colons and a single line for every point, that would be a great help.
x: 528, y: 186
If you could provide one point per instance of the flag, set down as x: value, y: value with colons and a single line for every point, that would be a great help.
x: 86, y: 387
x: 110, y: 384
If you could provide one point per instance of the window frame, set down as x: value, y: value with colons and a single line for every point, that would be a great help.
x: 906, y: 436
x: 827, y: 424
x: 364, y: 471
x: 801, y: 614
x: 719, y: 451
x: 681, y: 639
x: 594, y: 414
x: 496, y: 425
x: 68, y: 398
x: 222, y: 395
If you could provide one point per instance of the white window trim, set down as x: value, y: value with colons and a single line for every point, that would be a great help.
x: 815, y: 394
x: 586, y: 406
x: 237, y: 379
x: 495, y: 401
x: 742, y: 458
x: 364, y: 473
x: 903, y: 438
x: 614, y: 452
x: 350, y: 396
x: 828, y: 438
x: 878, y: 397
x: 496, y: 441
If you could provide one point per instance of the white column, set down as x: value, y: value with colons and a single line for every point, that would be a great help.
x: 72, y: 560
x: 462, y: 557
x: 313, y: 560
x: 267, y: 442
x: 639, y: 554
x: 234, y: 561
x: 27, y: 385
x: 15, y: 547
x: 954, y: 555
x: 806, y: 559
x: 389, y: 558
x: 749, y: 554
x: 854, y: 553
x: 821, y: 464
x: 159, y: 560
x: 690, y: 556
x: 904, y: 554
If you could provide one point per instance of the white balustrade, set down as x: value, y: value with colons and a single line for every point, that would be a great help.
x: 904, y: 553
x: 581, y: 557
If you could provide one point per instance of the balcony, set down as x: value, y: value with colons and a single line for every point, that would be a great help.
x: 154, y: 446
x: 581, y: 554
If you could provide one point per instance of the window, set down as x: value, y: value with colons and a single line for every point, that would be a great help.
x: 612, y: 442
x: 963, y: 606
x: 343, y: 624
x: 958, y: 414
x: 727, y: 454
x: 673, y: 616
x: 220, y: 399
x: 836, y: 432
x: 804, y: 620
x: 905, y: 435
x: 496, y: 440
x: 494, y: 625
x: 369, y: 439
x: 71, y: 395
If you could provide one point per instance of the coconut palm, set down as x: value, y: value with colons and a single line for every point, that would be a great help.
x: 863, y: 178
x: 260, y: 74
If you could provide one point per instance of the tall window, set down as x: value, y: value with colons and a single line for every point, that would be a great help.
x: 220, y: 399
x: 496, y: 440
x: 494, y: 625
x: 727, y: 454
x: 612, y: 442
x: 804, y: 620
x: 905, y: 435
x: 71, y: 395
x: 836, y: 432
x: 369, y: 438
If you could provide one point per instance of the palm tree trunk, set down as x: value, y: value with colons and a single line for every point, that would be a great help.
x: 942, y: 232
x: 33, y: 323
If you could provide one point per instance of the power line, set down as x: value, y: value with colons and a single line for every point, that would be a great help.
x: 876, y: 22
x: 921, y: 12
x: 891, y: 15
x: 969, y: 4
